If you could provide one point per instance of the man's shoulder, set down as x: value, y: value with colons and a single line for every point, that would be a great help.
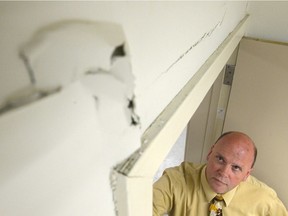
x: 262, y: 195
x: 185, y: 175
x: 253, y: 184
x: 185, y: 168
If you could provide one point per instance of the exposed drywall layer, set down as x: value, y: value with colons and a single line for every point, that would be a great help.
x: 268, y: 20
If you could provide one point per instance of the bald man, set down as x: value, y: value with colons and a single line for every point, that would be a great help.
x: 222, y: 186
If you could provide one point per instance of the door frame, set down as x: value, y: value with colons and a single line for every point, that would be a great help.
x: 207, y: 123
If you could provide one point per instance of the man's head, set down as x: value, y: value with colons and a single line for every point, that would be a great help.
x: 230, y: 161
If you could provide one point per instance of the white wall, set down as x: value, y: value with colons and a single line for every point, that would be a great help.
x: 167, y: 43
x: 268, y: 20
x: 257, y: 107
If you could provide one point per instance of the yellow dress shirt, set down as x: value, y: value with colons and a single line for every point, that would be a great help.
x: 184, y: 191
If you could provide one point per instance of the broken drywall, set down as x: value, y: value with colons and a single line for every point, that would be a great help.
x: 58, y: 150
x: 61, y: 52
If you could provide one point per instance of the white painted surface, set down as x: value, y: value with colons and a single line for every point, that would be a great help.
x: 268, y: 20
x: 187, y: 37
x: 258, y: 106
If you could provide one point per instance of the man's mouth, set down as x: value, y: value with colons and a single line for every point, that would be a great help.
x: 219, y: 181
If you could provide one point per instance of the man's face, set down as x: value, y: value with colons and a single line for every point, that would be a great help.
x: 229, y: 162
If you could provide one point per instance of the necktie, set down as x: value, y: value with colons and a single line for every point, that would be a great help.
x: 215, y: 208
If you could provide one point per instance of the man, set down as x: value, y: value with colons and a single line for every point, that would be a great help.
x: 190, y: 190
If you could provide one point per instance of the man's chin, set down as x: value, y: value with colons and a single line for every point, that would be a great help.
x: 220, y: 191
x: 219, y: 187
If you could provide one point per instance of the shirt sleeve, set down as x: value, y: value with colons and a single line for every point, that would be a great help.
x: 162, y: 195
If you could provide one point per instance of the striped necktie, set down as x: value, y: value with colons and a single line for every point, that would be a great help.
x: 215, y: 207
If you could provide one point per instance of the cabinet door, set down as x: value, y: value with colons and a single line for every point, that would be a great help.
x: 258, y: 105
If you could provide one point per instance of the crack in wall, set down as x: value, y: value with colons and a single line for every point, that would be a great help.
x: 30, y: 72
x: 201, y: 39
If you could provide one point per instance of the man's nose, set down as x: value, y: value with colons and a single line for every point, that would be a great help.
x: 225, y: 170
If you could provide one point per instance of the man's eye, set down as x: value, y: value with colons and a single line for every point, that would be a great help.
x: 236, y: 168
x: 220, y: 159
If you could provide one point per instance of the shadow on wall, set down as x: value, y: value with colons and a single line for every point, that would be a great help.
x: 61, y: 136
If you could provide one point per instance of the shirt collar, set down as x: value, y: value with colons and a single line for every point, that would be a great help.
x: 210, y: 194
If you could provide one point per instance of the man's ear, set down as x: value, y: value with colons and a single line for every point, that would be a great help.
x: 210, y: 151
x: 248, y: 174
